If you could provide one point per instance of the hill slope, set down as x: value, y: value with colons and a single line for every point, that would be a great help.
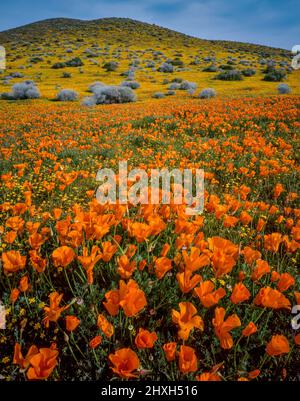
x: 33, y: 50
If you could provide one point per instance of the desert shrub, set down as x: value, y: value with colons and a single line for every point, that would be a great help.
x: 210, y: 68
x: 131, y: 84
x: 283, y: 89
x: 109, y: 95
x: 67, y: 95
x: 94, y: 85
x: 248, y: 72
x: 150, y: 64
x: 17, y: 74
x: 275, y: 75
x: 188, y: 86
x: 158, y: 95
x: 207, y: 93
x: 170, y: 93
x: 177, y: 62
x: 74, y: 62
x: 226, y: 67
x: 110, y: 66
x: 66, y: 75
x: 58, y: 65
x: 177, y: 80
x: 35, y: 59
x: 22, y: 90
x: 166, y: 67
x: 174, y: 86
x: 233, y: 75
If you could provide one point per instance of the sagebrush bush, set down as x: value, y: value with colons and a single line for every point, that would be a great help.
x: 207, y: 93
x: 210, y: 68
x: 166, y: 67
x: 110, y: 66
x: 283, y: 89
x: 94, y: 85
x: 248, y: 72
x: 109, y: 95
x: 174, y: 86
x: 275, y: 75
x: 188, y: 86
x: 233, y: 75
x: 158, y: 95
x: 131, y: 84
x: 23, y: 90
x: 67, y: 95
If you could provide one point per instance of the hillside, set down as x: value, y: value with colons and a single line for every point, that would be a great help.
x: 33, y: 50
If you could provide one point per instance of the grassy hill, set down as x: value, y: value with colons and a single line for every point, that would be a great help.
x: 33, y: 50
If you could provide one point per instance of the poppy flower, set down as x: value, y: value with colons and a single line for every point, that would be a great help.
x: 24, y: 284
x: 53, y: 311
x: 239, y: 294
x: 125, y: 267
x: 208, y: 377
x: 278, y: 345
x: 125, y: 363
x: 170, y: 351
x: 88, y: 261
x: 272, y: 242
x: 195, y: 260
x: 145, y: 339
x: 269, y: 298
x: 105, y: 326
x: 224, y: 255
x: 249, y: 330
x: 186, y: 282
x: 285, y: 282
x: 18, y: 358
x: 13, y: 261
x: 186, y: 319
x: 297, y: 339
x: 63, y: 256
x: 95, y: 342
x: 207, y: 295
x: 262, y: 268
x: 187, y: 359
x: 37, y: 262
x: 108, y: 250
x: 250, y: 255
x: 72, y: 322
x: 42, y: 364
x: 14, y: 295
x: 223, y: 327
x: 162, y: 266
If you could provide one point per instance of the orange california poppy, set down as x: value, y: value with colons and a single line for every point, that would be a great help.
x: 285, y: 282
x: 272, y: 242
x: 53, y: 311
x: 42, y: 364
x: 262, y: 268
x: 223, y: 327
x: 170, y: 351
x: 14, y: 295
x: 187, y: 359
x: 250, y: 255
x: 208, y: 295
x: 208, y: 377
x: 88, y: 261
x: 269, y: 298
x: 63, y: 256
x: 297, y: 339
x: 249, y: 330
x: 195, y: 260
x: 95, y: 342
x: 72, y: 322
x: 278, y: 345
x: 145, y: 339
x: 126, y: 267
x: 18, y: 357
x: 108, y: 250
x: 24, y: 284
x: 186, y: 319
x: 13, y: 261
x: 239, y: 294
x: 162, y: 266
x: 186, y: 282
x: 125, y: 363
x: 105, y: 326
x: 37, y: 262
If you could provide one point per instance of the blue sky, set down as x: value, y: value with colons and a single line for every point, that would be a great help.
x: 270, y: 22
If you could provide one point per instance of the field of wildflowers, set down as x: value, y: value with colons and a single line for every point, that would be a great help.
x: 148, y: 292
